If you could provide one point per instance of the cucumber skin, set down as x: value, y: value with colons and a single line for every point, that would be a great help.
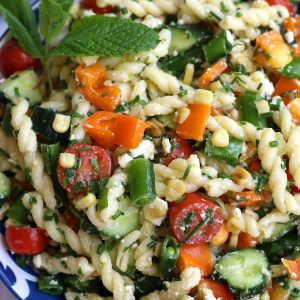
x: 5, y: 186
x: 241, y: 294
x: 281, y: 229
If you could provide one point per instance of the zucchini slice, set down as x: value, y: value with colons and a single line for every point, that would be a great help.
x: 22, y: 84
x: 246, y: 271
x: 125, y: 223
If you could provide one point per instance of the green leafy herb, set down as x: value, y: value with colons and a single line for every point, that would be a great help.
x: 100, y: 249
x: 292, y: 70
x: 127, y: 105
x: 106, y: 37
x: 117, y: 214
x: 262, y: 179
x: 53, y: 17
x: 186, y: 172
x: 187, y: 220
x: 21, y: 31
x: 153, y: 242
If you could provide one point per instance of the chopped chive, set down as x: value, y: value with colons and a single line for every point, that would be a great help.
x: 186, y: 172
x: 273, y: 144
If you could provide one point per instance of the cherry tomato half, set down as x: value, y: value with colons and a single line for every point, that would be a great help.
x: 14, y: 59
x: 26, y: 240
x: 286, y: 3
x: 92, y: 163
x: 192, y: 210
x: 92, y: 4
x: 219, y: 290
x: 182, y: 149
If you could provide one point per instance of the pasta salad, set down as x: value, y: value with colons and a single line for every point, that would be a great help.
x: 150, y: 149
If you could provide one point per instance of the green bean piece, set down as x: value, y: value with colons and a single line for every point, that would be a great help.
x: 141, y: 182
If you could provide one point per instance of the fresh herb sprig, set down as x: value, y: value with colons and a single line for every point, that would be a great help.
x: 90, y: 36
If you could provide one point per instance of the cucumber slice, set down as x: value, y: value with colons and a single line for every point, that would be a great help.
x: 280, y: 230
x: 167, y: 120
x: 181, y: 40
x: 246, y: 271
x: 22, y: 84
x: 125, y: 223
x: 131, y: 269
x: 186, y: 36
x: 5, y: 186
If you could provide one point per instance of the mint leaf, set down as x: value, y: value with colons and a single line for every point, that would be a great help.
x: 53, y: 16
x: 106, y: 36
x: 25, y: 38
x: 22, y: 10
x: 292, y: 70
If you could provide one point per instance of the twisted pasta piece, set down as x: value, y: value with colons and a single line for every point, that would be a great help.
x: 58, y: 101
x: 143, y: 254
x: 113, y: 281
x: 272, y: 163
x: 243, y: 131
x: 246, y: 221
x: 189, y: 278
x: 66, y: 265
x: 3, y: 210
x: 291, y: 133
x: 81, y: 243
x: 215, y: 187
x: 116, y: 188
x: 27, y: 143
x: 163, y: 105
x: 267, y: 223
x: 125, y: 244
x: 81, y: 108
x: 142, y: 8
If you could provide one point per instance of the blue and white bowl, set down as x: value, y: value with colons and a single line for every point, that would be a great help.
x: 22, y: 283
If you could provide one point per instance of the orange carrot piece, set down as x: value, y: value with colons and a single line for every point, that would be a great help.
x: 220, y: 291
x: 284, y: 86
x: 193, y: 127
x: 293, y: 267
x: 271, y: 50
x: 277, y: 292
x: 129, y: 131
x: 246, y: 241
x: 212, y: 72
x: 249, y: 198
x: 191, y: 255
x: 101, y: 127
x: 90, y: 82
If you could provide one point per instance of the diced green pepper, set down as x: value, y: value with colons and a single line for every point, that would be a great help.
x: 230, y: 153
x: 248, y: 110
x: 215, y: 49
x: 50, y: 155
x: 141, y: 182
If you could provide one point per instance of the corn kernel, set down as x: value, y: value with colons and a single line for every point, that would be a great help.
x: 220, y: 138
x: 188, y: 74
x: 262, y: 106
x: 67, y: 160
x: 174, y: 189
x: 203, y: 97
x: 240, y: 175
x: 61, y: 123
x: 182, y: 114
x: 215, y: 86
x: 87, y: 201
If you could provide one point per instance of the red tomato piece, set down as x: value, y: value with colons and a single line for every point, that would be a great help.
x: 92, y: 4
x: 219, y: 290
x: 193, y: 208
x: 26, y: 240
x: 71, y: 220
x: 286, y: 3
x: 182, y: 149
x: 94, y: 164
x: 246, y: 241
x: 294, y: 189
x: 14, y: 59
